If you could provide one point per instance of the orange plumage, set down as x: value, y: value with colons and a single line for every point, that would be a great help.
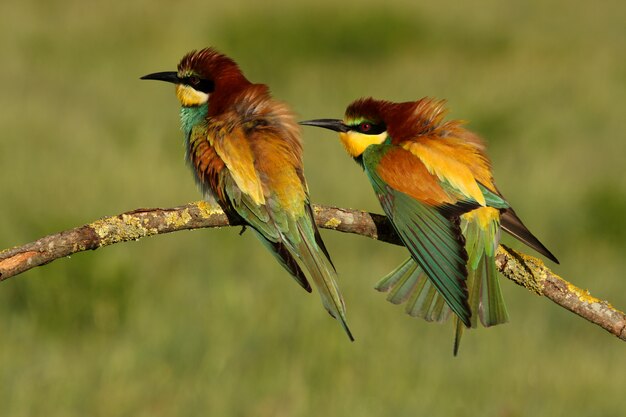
x: 434, y: 182
x: 245, y: 152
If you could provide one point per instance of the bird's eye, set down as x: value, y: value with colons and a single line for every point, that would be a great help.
x: 193, y: 80
x: 365, y: 127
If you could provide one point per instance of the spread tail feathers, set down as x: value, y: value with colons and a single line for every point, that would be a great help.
x: 408, y: 283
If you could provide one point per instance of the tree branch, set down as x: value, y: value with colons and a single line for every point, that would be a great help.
x: 522, y: 269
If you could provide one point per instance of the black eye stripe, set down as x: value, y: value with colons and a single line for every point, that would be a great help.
x: 369, y: 128
x: 200, y: 84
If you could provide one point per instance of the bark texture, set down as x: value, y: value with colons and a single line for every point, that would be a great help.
x: 524, y: 270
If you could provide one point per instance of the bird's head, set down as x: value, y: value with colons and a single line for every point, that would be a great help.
x: 200, y: 74
x: 364, y: 124
x: 371, y: 122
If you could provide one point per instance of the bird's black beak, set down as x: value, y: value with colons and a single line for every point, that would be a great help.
x: 167, y: 76
x: 332, y: 124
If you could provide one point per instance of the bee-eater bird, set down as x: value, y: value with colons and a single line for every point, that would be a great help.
x: 245, y: 151
x: 434, y: 182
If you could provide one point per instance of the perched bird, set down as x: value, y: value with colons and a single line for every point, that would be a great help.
x: 434, y: 182
x: 245, y: 151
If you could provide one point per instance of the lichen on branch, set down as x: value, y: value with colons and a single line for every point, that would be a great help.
x: 524, y: 270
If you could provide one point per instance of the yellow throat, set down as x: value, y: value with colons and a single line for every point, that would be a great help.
x: 188, y: 96
x: 356, y: 143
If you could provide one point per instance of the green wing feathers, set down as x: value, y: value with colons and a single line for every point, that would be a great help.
x: 267, y: 228
x: 291, y: 236
x: 408, y: 283
x: 434, y: 241
x: 286, y: 259
x: 453, y: 255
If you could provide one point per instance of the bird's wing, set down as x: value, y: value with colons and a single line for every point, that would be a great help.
x: 286, y: 259
x: 234, y: 150
x: 280, y: 168
x: 513, y: 225
x: 409, y: 284
x: 455, y: 162
x: 264, y: 184
x: 424, y: 211
x: 268, y: 232
x: 241, y: 189
x: 460, y: 160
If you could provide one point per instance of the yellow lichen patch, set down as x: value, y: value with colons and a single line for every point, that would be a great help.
x: 174, y: 218
x: 207, y: 210
x: 524, y: 270
x: 76, y: 247
x: 531, y: 272
x: 120, y: 229
x: 332, y: 223
x: 583, y: 295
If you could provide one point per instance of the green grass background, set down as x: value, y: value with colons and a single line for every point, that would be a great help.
x: 205, y: 323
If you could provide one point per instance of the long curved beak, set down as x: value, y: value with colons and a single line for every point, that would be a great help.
x: 167, y: 76
x: 332, y: 124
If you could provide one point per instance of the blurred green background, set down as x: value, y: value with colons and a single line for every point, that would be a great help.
x: 205, y: 323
